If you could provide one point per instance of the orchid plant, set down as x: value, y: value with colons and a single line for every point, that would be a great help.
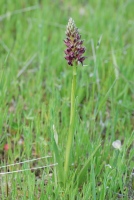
x: 74, y: 56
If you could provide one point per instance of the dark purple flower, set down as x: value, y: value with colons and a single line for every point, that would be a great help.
x: 75, y: 50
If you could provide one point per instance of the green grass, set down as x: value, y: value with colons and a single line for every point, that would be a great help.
x: 35, y: 84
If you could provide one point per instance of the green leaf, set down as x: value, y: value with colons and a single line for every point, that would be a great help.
x: 82, y: 174
x: 58, y: 159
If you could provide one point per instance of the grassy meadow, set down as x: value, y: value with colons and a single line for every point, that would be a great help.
x: 35, y: 88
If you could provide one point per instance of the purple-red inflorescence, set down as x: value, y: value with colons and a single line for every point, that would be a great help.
x: 75, y: 50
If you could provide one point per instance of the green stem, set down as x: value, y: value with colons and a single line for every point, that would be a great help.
x: 71, y: 125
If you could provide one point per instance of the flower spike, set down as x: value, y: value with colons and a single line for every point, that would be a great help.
x: 73, y: 42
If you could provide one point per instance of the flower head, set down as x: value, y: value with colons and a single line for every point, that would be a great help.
x: 75, y: 50
x: 117, y: 144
